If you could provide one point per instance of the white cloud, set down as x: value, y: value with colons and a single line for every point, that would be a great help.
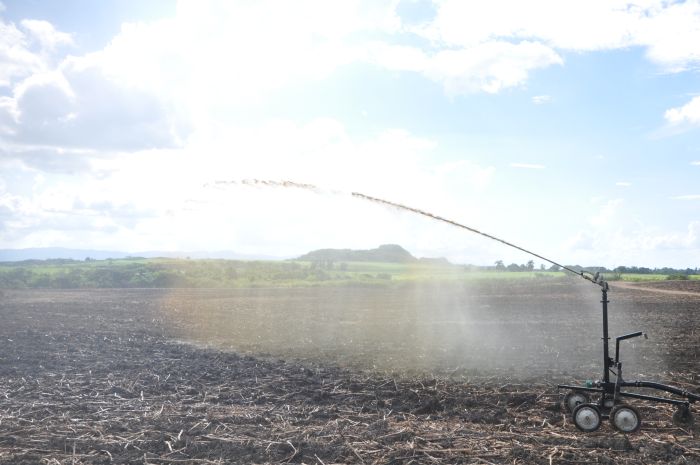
x: 688, y: 114
x: 50, y: 160
x: 320, y: 152
x: 607, y: 213
x: 399, y: 57
x: 155, y: 80
x: 234, y: 53
x: 217, y: 55
x: 687, y: 240
x: 528, y: 166
x: 582, y: 240
x: 623, y: 184
x: 231, y: 52
x: 227, y: 53
x: 48, y: 37
x: 686, y: 197
x: 669, y: 31
x: 263, y: 52
x: 488, y: 67
x: 27, y: 50
x: 612, y: 240
x: 16, y: 59
x: 578, y: 26
x: 78, y: 107
x: 541, y: 99
x: 74, y: 104
x: 8, y: 115
x: 696, y: 163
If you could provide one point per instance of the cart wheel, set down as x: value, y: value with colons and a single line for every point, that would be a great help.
x: 587, y: 417
x: 574, y: 398
x: 683, y: 417
x: 625, y: 418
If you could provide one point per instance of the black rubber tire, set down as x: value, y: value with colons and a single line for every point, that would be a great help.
x: 570, y: 397
x: 625, y: 418
x: 683, y: 417
x: 587, y: 417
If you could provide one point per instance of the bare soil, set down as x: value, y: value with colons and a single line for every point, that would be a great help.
x: 689, y: 288
x: 421, y: 374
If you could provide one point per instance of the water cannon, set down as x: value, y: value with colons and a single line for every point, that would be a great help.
x: 595, y: 278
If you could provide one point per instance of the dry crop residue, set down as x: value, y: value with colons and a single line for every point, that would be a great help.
x: 97, y: 377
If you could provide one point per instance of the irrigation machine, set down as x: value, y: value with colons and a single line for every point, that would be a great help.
x: 589, y: 405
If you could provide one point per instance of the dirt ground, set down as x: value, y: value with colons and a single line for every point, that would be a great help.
x: 419, y: 374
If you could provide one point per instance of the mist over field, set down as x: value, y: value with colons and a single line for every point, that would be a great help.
x: 528, y: 328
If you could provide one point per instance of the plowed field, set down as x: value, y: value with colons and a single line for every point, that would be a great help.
x: 414, y: 374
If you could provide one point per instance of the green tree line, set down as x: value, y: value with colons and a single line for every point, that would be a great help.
x: 165, y: 273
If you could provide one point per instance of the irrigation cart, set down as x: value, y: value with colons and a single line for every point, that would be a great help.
x: 609, y: 395
x: 609, y: 403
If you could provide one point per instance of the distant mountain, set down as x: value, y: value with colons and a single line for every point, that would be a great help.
x: 384, y: 253
x: 48, y: 253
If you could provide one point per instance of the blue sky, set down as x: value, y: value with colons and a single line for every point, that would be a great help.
x: 570, y: 128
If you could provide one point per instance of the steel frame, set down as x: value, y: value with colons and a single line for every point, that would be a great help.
x: 612, y: 390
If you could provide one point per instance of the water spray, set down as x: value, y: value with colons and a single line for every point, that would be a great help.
x: 587, y: 413
x: 585, y: 275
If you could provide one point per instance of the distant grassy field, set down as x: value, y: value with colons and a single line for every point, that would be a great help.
x: 168, y: 272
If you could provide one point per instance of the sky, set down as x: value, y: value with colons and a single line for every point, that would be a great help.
x: 569, y: 128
